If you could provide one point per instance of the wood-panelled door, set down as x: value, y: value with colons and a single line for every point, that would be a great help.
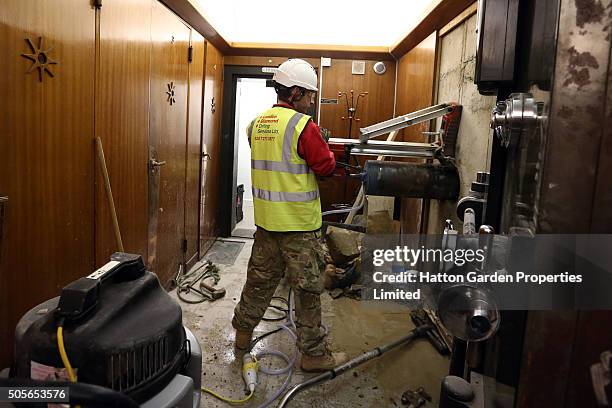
x: 194, y: 136
x: 168, y: 127
x: 211, y: 147
x: 122, y: 123
x: 47, y: 50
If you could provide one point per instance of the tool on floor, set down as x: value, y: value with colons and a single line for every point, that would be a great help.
x: 331, y: 374
x: 420, y: 318
x: 186, y: 283
x: 114, y: 338
x: 215, y: 293
x: 416, y: 398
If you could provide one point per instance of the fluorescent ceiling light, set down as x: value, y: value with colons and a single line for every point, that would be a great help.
x: 330, y: 22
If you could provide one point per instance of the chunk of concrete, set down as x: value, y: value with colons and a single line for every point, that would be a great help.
x: 380, y: 222
x: 344, y: 245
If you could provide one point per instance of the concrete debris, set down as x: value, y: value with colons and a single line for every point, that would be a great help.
x: 336, y: 277
x: 354, y: 292
x: 415, y: 398
x: 344, y: 245
x: 380, y: 222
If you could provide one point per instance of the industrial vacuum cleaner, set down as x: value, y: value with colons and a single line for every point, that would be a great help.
x: 119, y: 334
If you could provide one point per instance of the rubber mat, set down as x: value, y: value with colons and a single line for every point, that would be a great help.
x: 224, y: 252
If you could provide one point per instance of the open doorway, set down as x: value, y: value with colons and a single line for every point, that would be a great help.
x: 252, y: 98
x: 245, y: 95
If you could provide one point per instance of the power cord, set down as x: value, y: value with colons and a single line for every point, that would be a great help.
x: 62, y: 350
x: 64, y: 356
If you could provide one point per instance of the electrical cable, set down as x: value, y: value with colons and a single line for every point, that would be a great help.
x: 285, y: 311
x: 229, y: 400
x: 63, y: 355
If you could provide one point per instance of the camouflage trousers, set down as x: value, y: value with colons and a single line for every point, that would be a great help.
x: 299, y: 256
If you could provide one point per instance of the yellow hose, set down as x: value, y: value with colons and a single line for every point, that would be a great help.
x: 63, y: 355
x: 230, y: 401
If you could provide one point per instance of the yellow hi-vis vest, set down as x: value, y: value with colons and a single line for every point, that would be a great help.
x: 285, y: 190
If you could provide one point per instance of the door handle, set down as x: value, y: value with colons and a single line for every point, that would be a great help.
x: 154, y: 164
x: 206, y: 156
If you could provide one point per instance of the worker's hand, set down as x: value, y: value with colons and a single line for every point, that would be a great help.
x: 325, y: 134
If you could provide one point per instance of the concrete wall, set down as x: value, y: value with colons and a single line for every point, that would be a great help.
x: 456, y: 84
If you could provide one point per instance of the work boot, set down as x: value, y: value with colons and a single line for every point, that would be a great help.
x: 243, y: 339
x: 325, y: 362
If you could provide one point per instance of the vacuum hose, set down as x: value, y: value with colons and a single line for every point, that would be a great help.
x: 377, y: 352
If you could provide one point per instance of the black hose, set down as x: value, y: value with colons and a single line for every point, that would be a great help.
x: 377, y: 352
x: 284, y: 310
x: 79, y: 393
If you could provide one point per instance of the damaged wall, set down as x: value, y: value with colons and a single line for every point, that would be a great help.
x: 456, y: 84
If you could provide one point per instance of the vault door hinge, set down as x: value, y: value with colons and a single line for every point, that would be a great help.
x: 190, y: 54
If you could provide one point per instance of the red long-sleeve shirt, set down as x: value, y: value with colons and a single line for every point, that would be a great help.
x: 313, y: 148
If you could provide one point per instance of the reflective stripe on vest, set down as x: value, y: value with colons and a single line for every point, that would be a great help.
x: 279, y: 196
x: 269, y: 165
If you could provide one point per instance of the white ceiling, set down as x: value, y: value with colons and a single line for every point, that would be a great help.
x: 329, y: 22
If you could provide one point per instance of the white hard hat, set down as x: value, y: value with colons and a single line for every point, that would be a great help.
x: 296, y: 72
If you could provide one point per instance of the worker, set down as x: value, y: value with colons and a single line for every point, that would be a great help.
x: 287, y: 152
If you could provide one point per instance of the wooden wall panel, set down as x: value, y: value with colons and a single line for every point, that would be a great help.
x: 122, y: 122
x: 375, y: 107
x: 211, y: 147
x: 194, y: 155
x: 415, y: 88
x: 168, y: 128
x: 415, y: 85
x: 46, y: 155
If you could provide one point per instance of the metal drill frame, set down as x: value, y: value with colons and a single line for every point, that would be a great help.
x: 403, y: 121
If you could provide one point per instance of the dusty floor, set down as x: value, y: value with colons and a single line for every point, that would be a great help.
x: 355, y: 326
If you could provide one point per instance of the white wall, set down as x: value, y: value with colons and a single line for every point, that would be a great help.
x: 252, y: 98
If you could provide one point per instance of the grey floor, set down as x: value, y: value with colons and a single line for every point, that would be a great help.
x: 246, y: 227
x: 355, y: 327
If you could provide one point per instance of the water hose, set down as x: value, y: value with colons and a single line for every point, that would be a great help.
x: 344, y: 210
x: 377, y: 352
x: 290, y: 328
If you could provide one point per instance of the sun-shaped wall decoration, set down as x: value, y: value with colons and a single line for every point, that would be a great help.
x: 170, y: 93
x: 40, y: 59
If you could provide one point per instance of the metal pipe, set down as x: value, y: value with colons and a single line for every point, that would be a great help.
x: 377, y: 352
x: 400, y: 179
